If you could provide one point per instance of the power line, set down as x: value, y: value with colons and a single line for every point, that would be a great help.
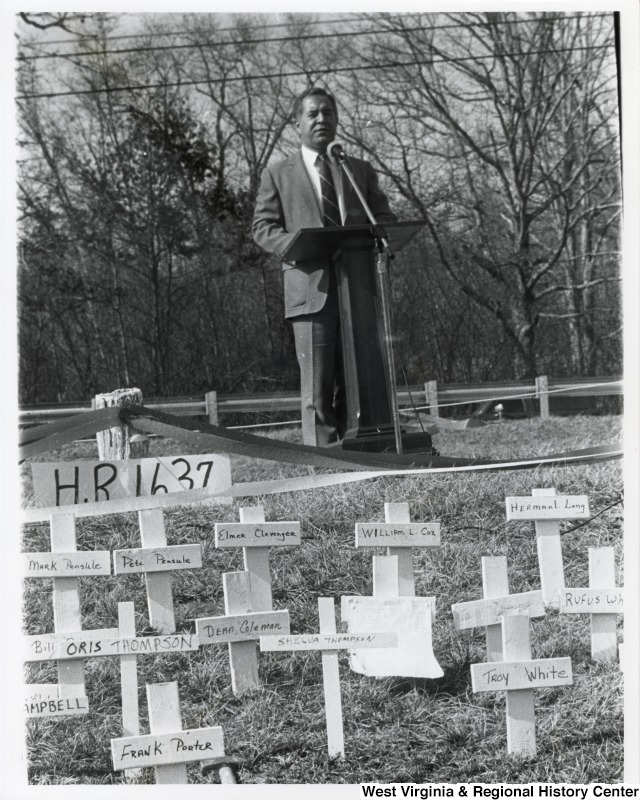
x: 211, y: 30
x: 269, y: 40
x: 280, y: 39
x: 320, y: 72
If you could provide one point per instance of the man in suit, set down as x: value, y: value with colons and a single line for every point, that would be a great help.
x: 308, y: 190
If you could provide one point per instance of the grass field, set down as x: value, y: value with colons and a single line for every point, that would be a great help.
x: 396, y: 730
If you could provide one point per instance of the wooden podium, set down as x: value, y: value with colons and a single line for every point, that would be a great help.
x: 353, y: 251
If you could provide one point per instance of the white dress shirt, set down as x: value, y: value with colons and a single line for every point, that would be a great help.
x: 309, y: 157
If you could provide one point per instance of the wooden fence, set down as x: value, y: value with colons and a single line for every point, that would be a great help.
x: 430, y: 396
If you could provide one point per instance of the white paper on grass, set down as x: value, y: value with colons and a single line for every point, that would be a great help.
x: 410, y: 619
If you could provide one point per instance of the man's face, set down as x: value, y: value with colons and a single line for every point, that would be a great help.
x: 317, y: 122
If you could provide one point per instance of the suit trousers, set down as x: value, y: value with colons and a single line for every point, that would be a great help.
x: 322, y: 385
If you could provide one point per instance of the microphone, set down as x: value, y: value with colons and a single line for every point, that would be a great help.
x: 336, y: 152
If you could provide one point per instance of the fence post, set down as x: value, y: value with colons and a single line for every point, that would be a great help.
x: 542, y: 393
x: 431, y: 395
x: 211, y: 406
x: 120, y: 443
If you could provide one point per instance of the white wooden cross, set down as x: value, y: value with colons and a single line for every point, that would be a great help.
x: 65, y: 564
x: 602, y: 600
x: 255, y: 537
x: 63, y: 561
x: 241, y: 628
x: 251, y: 594
x: 329, y: 642
x: 68, y: 696
x: 168, y: 748
x: 395, y: 578
x: 518, y: 675
x: 394, y: 602
x: 547, y: 509
x: 496, y: 603
x: 72, y: 648
x: 157, y: 561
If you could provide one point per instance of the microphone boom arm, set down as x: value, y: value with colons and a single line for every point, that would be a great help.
x: 377, y: 230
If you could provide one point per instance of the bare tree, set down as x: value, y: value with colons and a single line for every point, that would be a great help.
x: 504, y: 139
x: 137, y: 263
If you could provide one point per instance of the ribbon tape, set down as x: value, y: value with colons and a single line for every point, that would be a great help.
x: 219, y: 440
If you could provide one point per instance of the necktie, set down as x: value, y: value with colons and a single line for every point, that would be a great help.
x: 330, y: 207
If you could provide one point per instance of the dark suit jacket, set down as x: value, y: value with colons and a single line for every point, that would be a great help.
x: 287, y: 202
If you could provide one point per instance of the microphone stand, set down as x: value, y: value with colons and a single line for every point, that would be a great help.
x: 385, y: 255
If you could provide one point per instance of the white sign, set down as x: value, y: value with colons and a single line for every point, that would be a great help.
x: 591, y: 601
x: 491, y: 610
x: 43, y: 647
x: 75, y: 482
x: 410, y: 618
x: 328, y: 641
x: 66, y: 565
x: 76, y: 646
x: 550, y: 507
x: 155, y: 750
x: 257, y: 534
x: 397, y: 534
x: 56, y: 707
x: 534, y: 674
x: 157, y: 559
x: 241, y: 628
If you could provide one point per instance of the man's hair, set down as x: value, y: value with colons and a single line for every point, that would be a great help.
x: 311, y: 92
